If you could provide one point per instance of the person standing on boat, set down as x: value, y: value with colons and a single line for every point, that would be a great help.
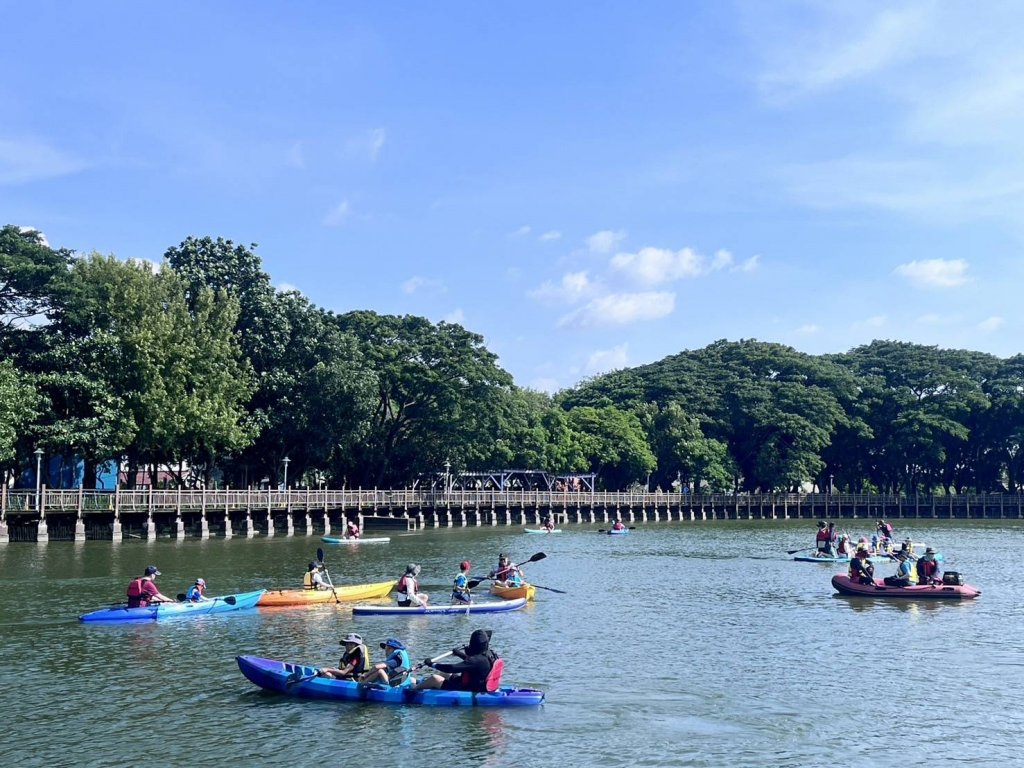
x: 928, y: 568
x: 885, y: 528
x: 861, y: 569
x: 823, y: 541
x: 409, y: 595
x: 904, y: 573
x: 354, y: 663
x: 478, y: 671
x: 460, y: 588
x: 195, y: 593
x: 394, y: 669
x: 142, y: 590
x: 314, y: 578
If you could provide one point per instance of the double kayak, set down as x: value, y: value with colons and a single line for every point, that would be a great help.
x: 394, y: 610
x: 159, y: 611
x: 280, y: 597
x: 343, y: 540
x: 299, y: 680
x: 542, y: 530
x: 845, y: 586
x: 514, y: 593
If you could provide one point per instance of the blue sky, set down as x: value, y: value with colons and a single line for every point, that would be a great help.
x: 587, y: 185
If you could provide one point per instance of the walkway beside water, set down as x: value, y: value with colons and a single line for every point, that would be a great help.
x: 80, y: 515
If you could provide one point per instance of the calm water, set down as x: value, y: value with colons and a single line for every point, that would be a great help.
x: 679, y: 645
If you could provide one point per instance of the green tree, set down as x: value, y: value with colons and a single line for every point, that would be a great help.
x: 18, y: 402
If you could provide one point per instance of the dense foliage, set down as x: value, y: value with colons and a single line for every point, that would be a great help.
x: 200, y: 363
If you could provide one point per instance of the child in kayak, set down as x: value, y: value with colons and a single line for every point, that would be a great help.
x: 394, y: 669
x: 195, y: 593
x: 355, y: 661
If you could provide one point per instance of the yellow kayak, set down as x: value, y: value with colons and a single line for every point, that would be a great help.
x: 275, y: 597
x: 514, y: 593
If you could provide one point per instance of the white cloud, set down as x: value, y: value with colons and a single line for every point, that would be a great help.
x: 42, y: 237
x: 376, y: 141
x: 554, y: 234
x: 27, y: 160
x: 605, y: 241
x: 147, y: 264
x: 748, y: 265
x: 875, y: 321
x: 295, y: 157
x: 616, y: 309
x: 287, y: 288
x: 573, y: 287
x: 368, y: 145
x: 544, y: 384
x: 604, y: 360
x: 653, y: 266
x: 808, y: 329
x: 991, y: 324
x: 456, y: 316
x: 934, y: 273
x: 417, y: 283
x: 523, y: 231
x: 338, y: 215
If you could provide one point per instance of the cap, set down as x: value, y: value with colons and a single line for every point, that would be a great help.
x: 464, y: 565
x: 393, y: 642
x: 352, y: 637
x: 151, y: 570
x: 200, y: 582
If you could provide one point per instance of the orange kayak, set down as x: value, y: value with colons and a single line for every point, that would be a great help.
x: 514, y: 593
x: 276, y: 597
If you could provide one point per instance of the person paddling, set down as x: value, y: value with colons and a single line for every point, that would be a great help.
x: 196, y: 593
x: 354, y: 662
x: 618, y: 525
x: 314, y: 577
x: 142, y: 590
x: 394, y: 669
x: 478, y: 671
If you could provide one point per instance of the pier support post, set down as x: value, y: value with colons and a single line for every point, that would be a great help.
x: 204, y: 527
x: 79, y: 529
x: 5, y: 534
x: 270, y: 525
x: 179, y: 529
x: 250, y: 527
x: 291, y: 523
x: 228, y: 529
x: 116, y: 534
x: 150, y: 529
x: 42, y: 532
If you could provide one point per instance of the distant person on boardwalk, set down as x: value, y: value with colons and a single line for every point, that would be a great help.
x: 409, y: 595
x: 196, y: 593
x: 861, y: 569
x: 928, y: 568
x: 142, y: 590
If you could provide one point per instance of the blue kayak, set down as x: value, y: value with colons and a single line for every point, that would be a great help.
x: 613, y: 532
x: 464, y: 608
x: 299, y: 680
x: 159, y: 611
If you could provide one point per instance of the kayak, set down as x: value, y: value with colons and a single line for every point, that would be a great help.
x: 278, y: 597
x: 299, y: 680
x: 542, y: 530
x: 845, y: 586
x: 159, y: 611
x: 613, y: 532
x: 343, y: 540
x: 394, y: 610
x: 514, y: 593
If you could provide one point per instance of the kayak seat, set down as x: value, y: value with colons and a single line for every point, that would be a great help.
x: 494, y: 676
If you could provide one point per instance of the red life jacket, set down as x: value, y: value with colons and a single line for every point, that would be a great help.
x: 135, y: 587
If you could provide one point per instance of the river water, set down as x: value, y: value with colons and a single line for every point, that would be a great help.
x: 681, y: 644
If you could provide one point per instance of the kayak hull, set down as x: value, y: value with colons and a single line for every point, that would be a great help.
x: 394, y: 610
x: 343, y: 540
x: 845, y: 586
x: 274, y: 675
x: 514, y: 593
x: 623, y: 532
x: 542, y: 530
x: 161, y: 611
x: 283, y: 597
x: 844, y: 559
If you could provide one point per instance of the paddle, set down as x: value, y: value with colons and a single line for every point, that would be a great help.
x: 430, y: 662
x: 330, y: 583
x: 550, y: 589
x: 627, y: 528
x: 794, y: 551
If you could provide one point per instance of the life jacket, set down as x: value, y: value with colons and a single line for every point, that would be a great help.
x: 926, y: 569
x: 364, y: 660
x: 493, y: 681
x: 467, y: 683
x: 823, y: 540
x: 135, y: 587
x: 307, y: 580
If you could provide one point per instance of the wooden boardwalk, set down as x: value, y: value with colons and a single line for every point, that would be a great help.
x: 81, y: 514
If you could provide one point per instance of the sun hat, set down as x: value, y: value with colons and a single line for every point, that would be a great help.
x: 352, y: 637
x: 930, y: 551
x: 151, y: 570
x: 393, y: 642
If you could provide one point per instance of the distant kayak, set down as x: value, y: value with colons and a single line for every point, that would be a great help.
x: 394, y: 610
x: 343, y: 540
x: 299, y: 680
x: 514, y: 593
x: 621, y: 532
x: 159, y: 611
x: 280, y: 597
x: 845, y: 586
x: 542, y: 530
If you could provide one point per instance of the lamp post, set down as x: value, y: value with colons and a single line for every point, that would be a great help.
x: 39, y: 475
x: 830, y: 478
x: 286, y: 461
x: 447, y: 474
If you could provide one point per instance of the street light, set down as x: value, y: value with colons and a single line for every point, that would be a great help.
x: 830, y: 478
x: 447, y: 471
x: 39, y: 474
x: 286, y: 461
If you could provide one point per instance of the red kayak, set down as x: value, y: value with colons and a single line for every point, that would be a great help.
x: 879, y: 588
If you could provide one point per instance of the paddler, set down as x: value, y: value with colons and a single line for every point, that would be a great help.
x: 355, y: 661
x: 478, y: 671
x: 142, y: 590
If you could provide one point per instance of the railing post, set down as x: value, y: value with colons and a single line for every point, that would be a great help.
x: 5, y: 536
